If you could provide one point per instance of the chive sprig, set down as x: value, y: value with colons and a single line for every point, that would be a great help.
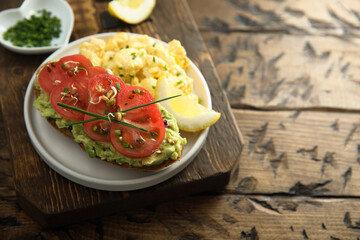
x: 105, y: 117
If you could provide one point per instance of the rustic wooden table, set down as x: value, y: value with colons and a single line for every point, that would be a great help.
x: 291, y: 75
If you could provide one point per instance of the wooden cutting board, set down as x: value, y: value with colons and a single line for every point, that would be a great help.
x: 52, y: 199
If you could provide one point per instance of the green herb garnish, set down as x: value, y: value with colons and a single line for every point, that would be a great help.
x: 146, y: 104
x: 36, y: 31
x: 106, y: 117
x: 97, y: 117
x: 118, y: 86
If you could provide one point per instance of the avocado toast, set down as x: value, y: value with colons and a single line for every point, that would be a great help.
x: 168, y: 151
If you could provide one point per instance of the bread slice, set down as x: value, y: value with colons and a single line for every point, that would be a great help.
x: 67, y: 132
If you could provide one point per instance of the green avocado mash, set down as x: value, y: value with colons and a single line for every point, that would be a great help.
x: 171, y: 147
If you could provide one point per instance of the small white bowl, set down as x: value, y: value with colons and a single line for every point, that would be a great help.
x: 58, y: 8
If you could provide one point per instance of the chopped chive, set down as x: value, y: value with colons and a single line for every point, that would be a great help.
x: 138, y: 91
x: 178, y: 74
x: 154, y: 44
x: 117, y: 132
x: 127, y: 46
x: 36, y: 31
x: 121, y: 75
x: 153, y: 58
x: 120, y: 68
x: 107, y: 111
x: 142, y: 54
x: 166, y: 67
x: 118, y: 86
x: 134, y: 55
x: 66, y: 90
x: 110, y: 58
x: 179, y: 82
x: 126, y: 104
x: 153, y: 86
x: 200, y: 101
x: 132, y: 76
x: 154, y: 134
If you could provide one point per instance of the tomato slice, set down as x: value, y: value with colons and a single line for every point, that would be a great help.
x: 53, y: 73
x: 108, y: 86
x: 133, y: 142
x: 104, y: 85
x: 70, y: 92
x: 84, y: 75
x: 99, y: 129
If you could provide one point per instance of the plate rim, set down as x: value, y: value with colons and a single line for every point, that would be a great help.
x: 105, y: 184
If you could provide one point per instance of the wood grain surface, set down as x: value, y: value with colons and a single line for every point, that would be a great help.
x: 67, y: 202
x: 290, y: 71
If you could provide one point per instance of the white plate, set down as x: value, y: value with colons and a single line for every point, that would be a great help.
x: 58, y: 8
x: 68, y: 159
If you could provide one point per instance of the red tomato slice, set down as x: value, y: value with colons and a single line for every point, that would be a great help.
x: 72, y: 93
x: 108, y: 86
x: 104, y: 84
x: 133, y: 142
x: 99, y: 129
x: 53, y: 73
x: 84, y: 75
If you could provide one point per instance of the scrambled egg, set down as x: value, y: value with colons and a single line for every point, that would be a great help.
x: 141, y: 61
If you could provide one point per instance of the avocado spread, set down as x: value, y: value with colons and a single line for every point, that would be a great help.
x: 171, y: 147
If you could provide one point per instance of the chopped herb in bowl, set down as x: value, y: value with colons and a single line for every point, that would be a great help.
x: 36, y: 31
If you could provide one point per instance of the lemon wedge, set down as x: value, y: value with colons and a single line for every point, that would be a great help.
x: 189, y: 114
x: 131, y: 11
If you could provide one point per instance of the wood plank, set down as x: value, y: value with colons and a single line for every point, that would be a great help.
x: 66, y: 202
x: 278, y: 71
x: 338, y: 18
x: 210, y: 217
x: 10, y: 4
x: 298, y: 153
